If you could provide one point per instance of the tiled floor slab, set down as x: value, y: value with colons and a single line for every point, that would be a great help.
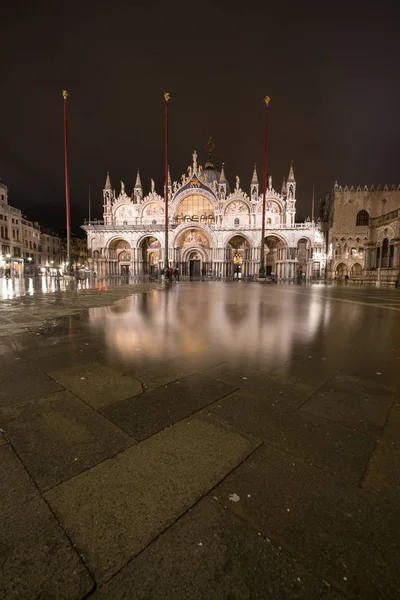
x: 96, y: 384
x: 259, y: 382
x: 348, y: 537
x: 317, y: 440
x: 116, y: 509
x: 383, y: 473
x: 37, y: 560
x: 211, y: 554
x: 14, y: 391
x: 59, y: 436
x: 361, y: 404
x: 144, y: 415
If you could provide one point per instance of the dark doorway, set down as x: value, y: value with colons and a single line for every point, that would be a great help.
x: 268, y: 270
x: 194, y: 269
x: 124, y: 270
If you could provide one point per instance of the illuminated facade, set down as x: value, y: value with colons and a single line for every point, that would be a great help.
x: 363, y: 225
x: 213, y: 230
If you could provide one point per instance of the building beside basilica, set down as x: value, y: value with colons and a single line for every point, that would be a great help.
x: 213, y: 230
x: 363, y: 233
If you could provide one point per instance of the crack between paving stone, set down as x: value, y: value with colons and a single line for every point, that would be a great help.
x: 74, y: 547
x: 204, y: 495
x: 319, y: 388
x: 378, y: 437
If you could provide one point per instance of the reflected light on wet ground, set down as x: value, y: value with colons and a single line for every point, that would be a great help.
x: 16, y: 288
x: 247, y: 323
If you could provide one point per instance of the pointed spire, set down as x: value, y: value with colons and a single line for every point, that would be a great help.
x: 138, y: 183
x: 108, y: 182
x: 291, y: 173
x: 254, y: 180
x: 222, y: 178
x: 169, y: 178
x: 283, y: 189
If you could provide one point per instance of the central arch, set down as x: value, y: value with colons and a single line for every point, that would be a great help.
x: 193, y: 252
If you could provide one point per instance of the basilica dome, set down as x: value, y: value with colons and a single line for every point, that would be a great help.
x: 210, y: 174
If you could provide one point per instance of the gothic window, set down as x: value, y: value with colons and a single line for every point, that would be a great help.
x: 362, y: 218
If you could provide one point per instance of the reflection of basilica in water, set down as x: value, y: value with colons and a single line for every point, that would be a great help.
x: 213, y: 230
x: 196, y: 322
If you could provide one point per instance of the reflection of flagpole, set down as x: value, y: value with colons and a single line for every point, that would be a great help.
x: 262, y: 258
x: 166, y: 98
x: 65, y: 96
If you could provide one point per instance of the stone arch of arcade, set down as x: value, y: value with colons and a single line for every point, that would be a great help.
x: 118, y: 256
x: 277, y: 257
x: 238, y: 256
x: 148, y: 255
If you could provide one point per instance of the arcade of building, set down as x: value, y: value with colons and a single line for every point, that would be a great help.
x: 213, y: 231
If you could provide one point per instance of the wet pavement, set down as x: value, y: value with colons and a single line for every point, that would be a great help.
x: 202, y: 440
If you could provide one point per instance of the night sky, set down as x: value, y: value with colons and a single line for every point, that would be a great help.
x: 331, y: 69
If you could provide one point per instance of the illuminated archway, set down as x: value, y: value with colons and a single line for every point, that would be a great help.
x: 149, y: 253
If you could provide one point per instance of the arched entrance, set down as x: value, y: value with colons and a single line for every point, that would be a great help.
x: 273, y: 249
x: 149, y: 255
x: 237, y: 256
x: 119, y: 258
x: 356, y: 271
x: 341, y: 271
x: 192, y: 253
x: 303, y: 248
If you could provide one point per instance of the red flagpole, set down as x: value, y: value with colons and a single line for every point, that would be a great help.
x: 262, y: 258
x: 67, y: 206
x: 166, y: 263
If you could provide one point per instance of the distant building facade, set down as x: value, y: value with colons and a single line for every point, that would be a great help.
x: 11, y: 259
x: 363, y: 233
x: 213, y: 230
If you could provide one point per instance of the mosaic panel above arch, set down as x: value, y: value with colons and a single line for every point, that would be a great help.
x: 124, y: 212
x: 237, y: 206
x: 239, y: 242
x: 153, y: 209
x: 271, y: 207
x: 193, y: 237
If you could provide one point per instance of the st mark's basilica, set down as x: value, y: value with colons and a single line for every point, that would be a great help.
x: 213, y: 230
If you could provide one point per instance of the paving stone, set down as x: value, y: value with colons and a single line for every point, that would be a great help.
x: 358, y: 403
x: 259, y: 382
x: 37, y: 560
x: 383, y: 473
x: 210, y: 553
x: 150, y: 412
x: 13, y: 391
x: 157, y: 373
x: 306, y: 374
x: 116, y: 509
x: 345, y: 535
x: 96, y: 384
x: 2, y: 440
x: 317, y: 440
x: 59, y: 436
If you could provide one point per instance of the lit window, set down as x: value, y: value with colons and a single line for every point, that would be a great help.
x: 195, y: 205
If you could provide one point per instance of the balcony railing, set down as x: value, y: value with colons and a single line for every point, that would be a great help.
x: 99, y: 224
